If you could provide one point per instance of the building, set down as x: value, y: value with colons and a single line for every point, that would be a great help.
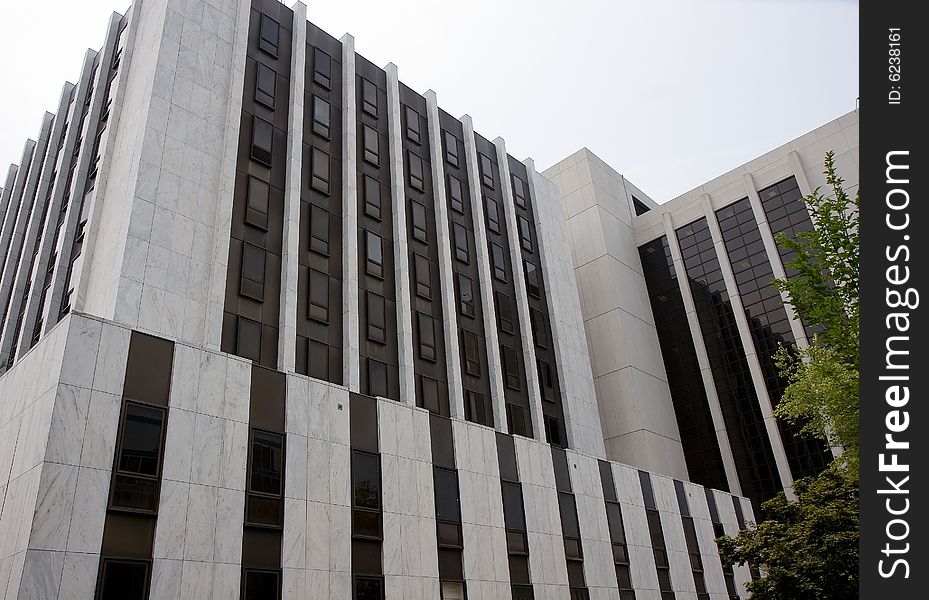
x: 684, y: 374
x: 276, y: 325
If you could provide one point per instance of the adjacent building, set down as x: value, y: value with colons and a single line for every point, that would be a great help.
x: 682, y: 319
x: 275, y: 325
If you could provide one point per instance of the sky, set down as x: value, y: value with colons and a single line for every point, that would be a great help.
x: 670, y: 93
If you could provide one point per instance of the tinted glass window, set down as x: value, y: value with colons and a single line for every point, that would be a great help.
x: 498, y: 260
x: 366, y: 475
x: 420, y: 227
x: 141, y: 442
x: 461, y: 243
x: 446, y: 495
x: 262, y: 136
x: 322, y: 117
x: 264, y: 85
x: 532, y: 279
x: 322, y: 68
x: 369, y: 97
x: 465, y: 295
x: 124, y: 580
x: 455, y: 195
x: 267, y: 460
x: 269, y: 32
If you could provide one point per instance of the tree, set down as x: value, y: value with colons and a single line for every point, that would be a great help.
x: 808, y: 547
x: 822, y: 395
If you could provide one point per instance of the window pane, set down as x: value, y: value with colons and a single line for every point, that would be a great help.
x: 525, y: 233
x: 260, y: 585
x: 371, y: 145
x: 455, y: 195
x: 141, y: 442
x: 516, y: 542
x: 319, y: 230
x: 420, y: 224
x: 568, y: 511
x: 322, y: 68
x: 429, y: 394
x: 614, y: 518
x: 269, y: 35
x: 461, y: 243
x: 451, y: 148
x: 267, y: 459
x: 449, y: 534
x: 135, y: 492
x: 412, y: 125
x: 446, y: 495
x: 262, y: 136
x: 253, y: 263
x: 416, y: 171
x: 368, y: 588
x: 510, y: 367
x: 248, y: 338
x: 487, y: 172
x: 124, y: 580
x: 318, y: 359
x: 532, y: 279
x: 366, y: 523
x: 465, y: 295
x: 374, y: 254
x: 319, y: 296
x: 366, y: 475
x: 493, y: 217
x: 258, y: 193
x: 320, y: 166
x: 322, y: 116
x: 471, y: 353
x: 519, y: 192
x: 377, y: 378
x: 423, y: 276
x: 372, y: 195
x: 513, y: 506
x: 426, y: 331
x: 369, y: 97
x: 377, y: 317
x: 264, y: 85
x: 263, y: 510
x: 504, y: 312
x: 498, y: 260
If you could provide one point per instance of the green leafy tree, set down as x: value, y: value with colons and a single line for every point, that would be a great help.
x: 822, y: 395
x: 808, y: 547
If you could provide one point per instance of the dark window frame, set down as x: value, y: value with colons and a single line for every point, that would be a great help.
x: 250, y: 492
x: 266, y: 44
x: 262, y: 95
x: 119, y: 472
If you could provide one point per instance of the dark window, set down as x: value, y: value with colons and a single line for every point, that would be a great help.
x: 487, y: 170
x: 319, y: 296
x: 461, y: 242
x: 429, y: 394
x: 426, y: 327
x: 318, y: 359
x: 465, y: 295
x: 369, y: 97
x: 415, y: 163
x: 377, y: 318
x: 504, y: 312
x: 372, y: 195
x: 260, y: 585
x: 371, y: 145
x: 471, y: 354
x: 265, y: 82
x: 420, y: 223
x: 447, y: 506
x: 519, y: 192
x: 516, y: 420
x: 322, y: 117
x: 455, y: 195
x: 552, y: 430
x: 451, y: 148
x: 513, y: 506
x: 135, y: 483
x: 374, y: 255
x: 265, y: 480
x: 259, y: 193
x: 525, y: 233
x: 366, y: 480
x: 476, y: 409
x: 493, y: 214
x: 510, y: 367
x: 369, y: 588
x: 546, y: 381
x: 539, y: 332
x: 412, y: 125
x: 322, y: 68
x: 319, y: 230
x: 123, y: 580
x: 262, y: 136
x: 639, y: 206
x: 270, y: 30
x: 253, y: 271
x: 320, y: 166
x: 422, y: 274
x: 532, y: 279
x: 248, y: 339
x: 377, y: 378
x: 498, y: 261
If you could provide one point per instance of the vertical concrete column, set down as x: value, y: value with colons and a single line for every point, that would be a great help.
x: 290, y: 267
x: 59, y: 195
x: 522, y: 299
x: 709, y: 387
x: 222, y: 221
x: 446, y: 274
x: 401, y: 247
x: 774, y: 257
x: 75, y: 208
x: 7, y: 190
x: 495, y: 371
x: 351, y: 349
x: 14, y: 230
x: 754, y: 365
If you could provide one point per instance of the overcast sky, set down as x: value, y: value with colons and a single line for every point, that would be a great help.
x: 671, y: 93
